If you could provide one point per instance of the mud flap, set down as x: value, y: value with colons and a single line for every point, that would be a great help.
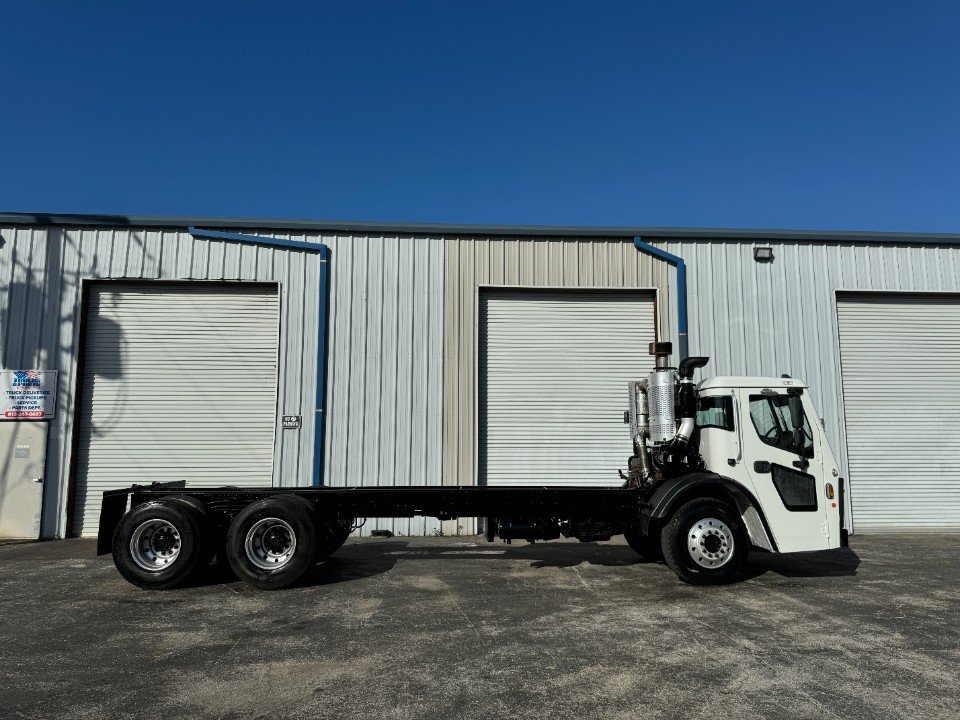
x: 112, y: 509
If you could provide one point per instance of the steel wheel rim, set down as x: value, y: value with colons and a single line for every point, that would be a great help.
x: 155, y: 545
x: 710, y: 543
x: 270, y: 543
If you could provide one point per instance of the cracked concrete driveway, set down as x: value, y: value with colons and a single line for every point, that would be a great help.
x: 458, y: 628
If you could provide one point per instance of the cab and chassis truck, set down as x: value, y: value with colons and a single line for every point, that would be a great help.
x: 718, y: 468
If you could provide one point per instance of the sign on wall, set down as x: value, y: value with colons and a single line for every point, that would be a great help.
x: 28, y: 394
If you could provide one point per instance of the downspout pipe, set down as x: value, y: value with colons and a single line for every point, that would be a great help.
x: 681, y: 267
x: 323, y: 327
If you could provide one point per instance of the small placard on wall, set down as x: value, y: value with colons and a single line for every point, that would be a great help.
x: 28, y: 394
x: 291, y: 422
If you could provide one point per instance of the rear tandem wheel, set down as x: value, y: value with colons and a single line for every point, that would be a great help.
x: 161, y: 544
x: 271, y: 543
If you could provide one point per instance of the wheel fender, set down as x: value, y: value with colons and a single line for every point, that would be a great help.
x: 669, y: 495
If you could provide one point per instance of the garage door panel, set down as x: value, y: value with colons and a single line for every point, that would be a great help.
x: 900, y: 357
x: 553, y: 372
x: 179, y: 383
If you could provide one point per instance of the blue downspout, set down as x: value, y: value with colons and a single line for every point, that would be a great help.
x: 323, y: 302
x: 320, y: 413
x: 681, y: 267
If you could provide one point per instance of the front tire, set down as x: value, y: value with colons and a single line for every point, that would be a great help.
x: 705, y: 542
x: 160, y: 545
x: 271, y: 542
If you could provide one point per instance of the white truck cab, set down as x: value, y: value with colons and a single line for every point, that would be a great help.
x: 746, y: 434
x: 726, y: 465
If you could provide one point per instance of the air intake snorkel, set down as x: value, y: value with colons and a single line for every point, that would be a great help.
x: 689, y: 365
x: 687, y: 400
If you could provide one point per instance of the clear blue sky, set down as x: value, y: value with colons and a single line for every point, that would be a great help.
x: 842, y: 115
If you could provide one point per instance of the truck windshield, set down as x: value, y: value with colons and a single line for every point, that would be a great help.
x: 771, y: 419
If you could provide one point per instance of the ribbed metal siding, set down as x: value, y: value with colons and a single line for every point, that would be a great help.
x: 386, y: 358
x: 770, y: 318
x: 901, y: 394
x: 179, y: 383
x: 41, y: 269
x: 553, y: 371
x: 474, y: 262
x: 385, y: 343
x: 738, y: 309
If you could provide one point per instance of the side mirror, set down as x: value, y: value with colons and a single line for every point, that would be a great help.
x: 796, y: 419
x: 796, y: 412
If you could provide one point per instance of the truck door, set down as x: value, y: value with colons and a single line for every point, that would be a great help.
x: 783, y: 456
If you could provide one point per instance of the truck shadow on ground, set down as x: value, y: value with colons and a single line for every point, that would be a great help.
x: 842, y: 562
x: 356, y: 561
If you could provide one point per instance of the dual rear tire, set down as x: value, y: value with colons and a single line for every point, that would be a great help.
x: 270, y: 544
x: 163, y: 543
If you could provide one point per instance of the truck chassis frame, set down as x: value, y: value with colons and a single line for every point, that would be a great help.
x: 616, y: 506
x: 692, y: 521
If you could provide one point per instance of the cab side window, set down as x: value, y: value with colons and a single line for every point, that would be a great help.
x: 771, y: 419
x: 715, y: 412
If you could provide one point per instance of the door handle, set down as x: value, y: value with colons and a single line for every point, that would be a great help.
x: 761, y: 466
x: 802, y: 464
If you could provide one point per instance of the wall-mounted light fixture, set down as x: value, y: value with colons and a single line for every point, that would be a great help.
x: 763, y: 254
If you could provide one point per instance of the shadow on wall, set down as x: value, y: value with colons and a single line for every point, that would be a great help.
x: 40, y: 306
x: 30, y: 321
x: 36, y: 320
x: 110, y: 351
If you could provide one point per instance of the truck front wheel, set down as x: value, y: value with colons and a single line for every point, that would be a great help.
x: 271, y: 542
x: 705, y: 543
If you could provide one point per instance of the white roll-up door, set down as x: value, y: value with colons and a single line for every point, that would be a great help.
x: 179, y: 383
x: 900, y: 357
x: 554, y: 367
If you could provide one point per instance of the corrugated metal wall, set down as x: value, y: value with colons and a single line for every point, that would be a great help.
x: 780, y: 317
x: 40, y: 311
x: 472, y: 262
x: 383, y: 417
x: 402, y: 353
x: 386, y: 355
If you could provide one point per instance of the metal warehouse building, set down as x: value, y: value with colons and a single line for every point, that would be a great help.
x: 249, y: 352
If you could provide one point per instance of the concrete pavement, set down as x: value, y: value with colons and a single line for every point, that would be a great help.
x: 459, y: 628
